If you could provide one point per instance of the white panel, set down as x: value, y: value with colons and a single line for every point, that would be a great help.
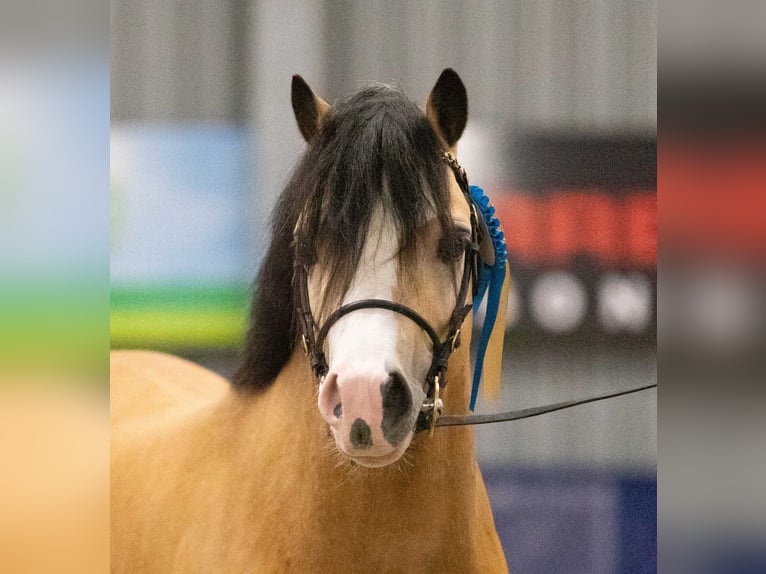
x: 157, y: 60
x: 187, y: 73
x: 368, y: 38
x: 216, y: 68
x: 643, y: 66
x: 286, y: 39
x: 590, y: 65
x: 423, y: 55
x: 591, y: 80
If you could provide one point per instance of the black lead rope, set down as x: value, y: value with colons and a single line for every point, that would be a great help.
x: 424, y: 421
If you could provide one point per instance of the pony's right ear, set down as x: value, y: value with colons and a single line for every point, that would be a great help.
x: 307, y: 107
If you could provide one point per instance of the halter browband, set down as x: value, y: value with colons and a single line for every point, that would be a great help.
x: 313, y: 336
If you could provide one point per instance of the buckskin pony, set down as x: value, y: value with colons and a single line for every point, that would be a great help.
x: 309, y: 460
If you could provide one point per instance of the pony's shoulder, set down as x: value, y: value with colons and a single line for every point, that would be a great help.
x: 148, y: 382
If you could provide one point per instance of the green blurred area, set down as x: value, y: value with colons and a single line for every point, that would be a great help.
x: 62, y: 328
x: 54, y: 328
x: 173, y: 317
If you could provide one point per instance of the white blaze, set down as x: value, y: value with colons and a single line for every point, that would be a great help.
x: 368, y: 338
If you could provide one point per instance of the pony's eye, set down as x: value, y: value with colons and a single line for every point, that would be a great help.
x: 453, y: 244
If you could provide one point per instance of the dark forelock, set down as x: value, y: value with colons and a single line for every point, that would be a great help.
x: 375, y: 136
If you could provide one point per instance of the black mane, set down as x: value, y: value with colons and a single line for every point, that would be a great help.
x: 375, y: 136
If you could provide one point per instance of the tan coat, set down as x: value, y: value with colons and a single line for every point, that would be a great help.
x: 205, y: 479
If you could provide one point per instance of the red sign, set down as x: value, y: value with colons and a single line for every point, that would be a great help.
x: 553, y: 227
x: 714, y: 198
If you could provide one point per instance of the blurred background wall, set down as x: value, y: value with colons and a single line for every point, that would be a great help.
x: 561, y: 134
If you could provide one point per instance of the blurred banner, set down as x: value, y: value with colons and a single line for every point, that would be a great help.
x: 574, y: 521
x: 580, y: 223
x: 179, y: 269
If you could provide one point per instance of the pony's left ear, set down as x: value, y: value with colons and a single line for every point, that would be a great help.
x: 307, y: 107
x: 447, y: 107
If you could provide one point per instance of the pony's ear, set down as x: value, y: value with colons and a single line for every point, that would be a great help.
x: 307, y: 107
x: 447, y: 107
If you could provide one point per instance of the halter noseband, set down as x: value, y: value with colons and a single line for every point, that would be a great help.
x: 313, y: 336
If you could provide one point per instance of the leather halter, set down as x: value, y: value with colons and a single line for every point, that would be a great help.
x: 313, y: 336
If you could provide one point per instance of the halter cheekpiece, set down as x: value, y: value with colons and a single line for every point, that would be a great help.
x: 313, y: 336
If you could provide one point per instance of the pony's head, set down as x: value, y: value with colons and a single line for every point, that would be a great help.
x: 372, y: 213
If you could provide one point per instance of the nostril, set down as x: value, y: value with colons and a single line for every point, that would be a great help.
x: 329, y: 399
x: 361, y: 435
x: 396, y: 395
x: 397, y: 401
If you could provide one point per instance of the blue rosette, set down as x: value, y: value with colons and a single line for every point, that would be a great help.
x: 491, y: 278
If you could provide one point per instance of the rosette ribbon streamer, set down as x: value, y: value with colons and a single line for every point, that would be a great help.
x: 494, y: 283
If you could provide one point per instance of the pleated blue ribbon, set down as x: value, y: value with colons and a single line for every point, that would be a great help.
x: 491, y: 279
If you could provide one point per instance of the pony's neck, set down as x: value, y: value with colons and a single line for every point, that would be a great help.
x: 432, y: 489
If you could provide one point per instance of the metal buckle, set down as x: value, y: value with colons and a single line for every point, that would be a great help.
x: 437, y: 407
x: 454, y: 164
x: 455, y: 340
x: 474, y: 254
